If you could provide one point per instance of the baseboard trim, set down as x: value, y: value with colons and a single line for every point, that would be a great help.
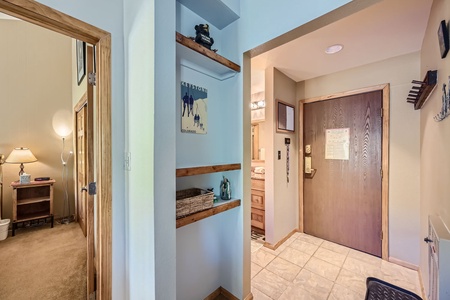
x: 422, y: 287
x: 249, y: 297
x: 403, y: 263
x: 274, y: 247
x: 221, y: 291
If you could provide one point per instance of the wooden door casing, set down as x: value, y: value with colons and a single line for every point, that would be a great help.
x: 81, y: 130
x: 343, y: 201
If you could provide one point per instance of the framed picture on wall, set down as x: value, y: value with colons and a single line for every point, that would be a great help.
x: 194, y: 108
x: 81, y: 60
x: 443, y: 38
x: 285, y: 117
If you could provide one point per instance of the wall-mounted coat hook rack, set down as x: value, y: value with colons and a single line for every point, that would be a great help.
x: 421, y: 90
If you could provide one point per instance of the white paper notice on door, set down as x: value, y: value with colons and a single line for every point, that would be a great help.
x: 337, y: 143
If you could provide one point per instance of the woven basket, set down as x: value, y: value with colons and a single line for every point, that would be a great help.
x: 193, y: 200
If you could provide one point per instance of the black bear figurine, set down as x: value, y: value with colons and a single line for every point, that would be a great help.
x: 202, y: 36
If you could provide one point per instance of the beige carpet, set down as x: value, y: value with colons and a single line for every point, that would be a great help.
x: 44, y: 263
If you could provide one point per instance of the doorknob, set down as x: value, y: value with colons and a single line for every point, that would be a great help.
x: 84, y: 189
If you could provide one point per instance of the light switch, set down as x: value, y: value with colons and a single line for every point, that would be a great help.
x: 279, y: 155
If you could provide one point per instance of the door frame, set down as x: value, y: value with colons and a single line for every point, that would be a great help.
x: 49, y: 18
x: 384, y: 157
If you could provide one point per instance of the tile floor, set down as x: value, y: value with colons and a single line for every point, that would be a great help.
x: 306, y: 267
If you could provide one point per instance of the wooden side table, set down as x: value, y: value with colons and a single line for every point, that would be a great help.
x: 32, y: 201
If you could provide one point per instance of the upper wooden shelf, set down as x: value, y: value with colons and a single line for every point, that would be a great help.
x: 207, y: 169
x: 214, y: 64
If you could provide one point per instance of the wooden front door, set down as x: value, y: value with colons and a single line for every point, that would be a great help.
x: 343, y: 199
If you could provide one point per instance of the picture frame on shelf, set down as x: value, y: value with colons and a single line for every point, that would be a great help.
x: 443, y: 38
x: 285, y: 117
x: 80, y: 49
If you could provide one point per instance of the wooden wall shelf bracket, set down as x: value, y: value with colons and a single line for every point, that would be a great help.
x: 421, y: 90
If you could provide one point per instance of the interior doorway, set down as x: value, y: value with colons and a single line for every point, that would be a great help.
x: 53, y: 20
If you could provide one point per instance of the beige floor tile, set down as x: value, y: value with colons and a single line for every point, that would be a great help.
x: 316, y: 285
x: 303, y: 246
x: 322, y: 268
x: 351, y: 280
x: 295, y: 256
x: 335, y: 247
x: 262, y: 258
x: 367, y: 258
x: 330, y: 256
x: 270, y: 284
x: 255, y: 246
x: 255, y: 269
x: 360, y: 267
x: 258, y: 295
x: 310, y: 239
x: 295, y: 292
x: 340, y: 292
x: 283, y: 268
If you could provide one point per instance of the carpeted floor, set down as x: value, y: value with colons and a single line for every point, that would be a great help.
x: 44, y: 263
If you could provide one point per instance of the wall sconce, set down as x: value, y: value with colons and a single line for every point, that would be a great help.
x: 258, y: 104
x: 21, y: 156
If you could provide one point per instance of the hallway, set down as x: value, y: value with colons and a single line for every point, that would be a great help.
x: 306, y: 267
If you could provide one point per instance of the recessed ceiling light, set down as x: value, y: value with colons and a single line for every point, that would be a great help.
x: 334, y: 49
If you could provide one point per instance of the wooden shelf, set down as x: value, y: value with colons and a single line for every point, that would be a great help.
x: 204, y: 60
x: 419, y: 94
x: 219, y: 207
x: 32, y: 216
x: 32, y: 200
x: 207, y: 169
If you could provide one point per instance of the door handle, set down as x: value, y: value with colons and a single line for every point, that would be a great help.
x: 84, y: 189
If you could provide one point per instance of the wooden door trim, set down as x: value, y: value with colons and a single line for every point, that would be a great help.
x: 384, y: 162
x: 49, y: 18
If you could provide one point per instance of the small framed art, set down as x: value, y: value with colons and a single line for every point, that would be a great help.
x: 443, y: 38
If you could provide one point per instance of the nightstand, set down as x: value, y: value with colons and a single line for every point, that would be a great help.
x: 32, y: 201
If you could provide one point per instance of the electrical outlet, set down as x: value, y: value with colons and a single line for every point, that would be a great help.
x: 127, y: 161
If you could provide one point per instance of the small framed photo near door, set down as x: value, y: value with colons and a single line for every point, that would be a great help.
x: 81, y: 60
x: 285, y: 117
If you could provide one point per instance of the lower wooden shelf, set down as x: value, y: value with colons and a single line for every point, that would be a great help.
x: 219, y: 207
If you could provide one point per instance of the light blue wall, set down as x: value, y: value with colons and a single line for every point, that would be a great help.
x: 165, y: 155
x: 263, y: 20
x: 108, y: 15
x: 139, y: 111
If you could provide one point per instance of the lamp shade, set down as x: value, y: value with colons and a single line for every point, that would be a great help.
x: 20, y: 156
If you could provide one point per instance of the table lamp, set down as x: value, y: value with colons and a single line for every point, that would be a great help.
x: 21, y: 156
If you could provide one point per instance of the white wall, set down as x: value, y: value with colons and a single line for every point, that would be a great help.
x: 404, y: 151
x: 108, y: 15
x: 281, y: 197
x: 435, y: 136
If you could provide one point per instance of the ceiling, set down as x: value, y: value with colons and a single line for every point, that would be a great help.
x: 387, y: 29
